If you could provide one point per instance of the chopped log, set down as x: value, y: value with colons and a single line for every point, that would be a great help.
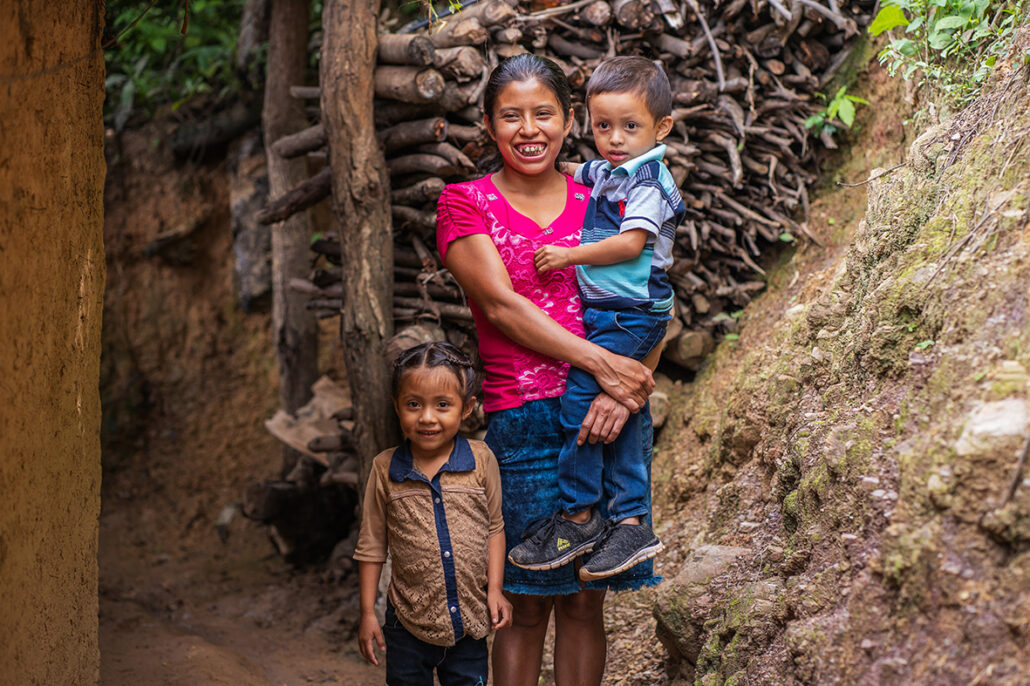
x: 422, y: 192
x: 463, y: 134
x: 420, y: 164
x: 689, y: 349
x: 634, y: 15
x: 299, y: 198
x: 461, y: 32
x: 299, y: 143
x: 413, y: 49
x: 408, y: 84
x: 411, y: 133
x: 407, y: 216
x: 445, y: 310
x: 461, y: 63
x: 450, y: 153
x: 597, y: 13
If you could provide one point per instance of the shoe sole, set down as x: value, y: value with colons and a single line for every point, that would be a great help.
x: 641, y: 555
x: 559, y: 562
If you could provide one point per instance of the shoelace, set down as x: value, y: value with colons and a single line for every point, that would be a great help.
x: 541, y: 528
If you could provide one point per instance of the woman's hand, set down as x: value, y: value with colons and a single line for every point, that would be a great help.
x: 624, y: 379
x: 369, y: 631
x: 551, y: 257
x: 500, y: 609
x: 604, y: 420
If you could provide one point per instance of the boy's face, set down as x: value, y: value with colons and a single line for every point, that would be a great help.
x: 623, y: 127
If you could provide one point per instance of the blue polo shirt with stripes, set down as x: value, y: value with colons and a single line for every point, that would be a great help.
x: 638, y: 194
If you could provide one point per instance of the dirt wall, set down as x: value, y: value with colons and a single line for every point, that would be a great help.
x: 51, y: 289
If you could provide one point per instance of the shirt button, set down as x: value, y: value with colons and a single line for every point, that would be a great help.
x: 453, y: 609
x: 446, y: 553
x: 436, y: 500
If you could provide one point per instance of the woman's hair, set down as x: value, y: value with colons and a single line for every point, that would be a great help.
x: 523, y: 68
x: 437, y: 354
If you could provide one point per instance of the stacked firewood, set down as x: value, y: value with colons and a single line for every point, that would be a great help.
x: 744, y: 74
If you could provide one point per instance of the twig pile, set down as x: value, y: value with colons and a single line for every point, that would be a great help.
x: 743, y: 73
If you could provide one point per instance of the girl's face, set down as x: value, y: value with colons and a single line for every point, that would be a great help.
x: 528, y: 126
x: 430, y: 408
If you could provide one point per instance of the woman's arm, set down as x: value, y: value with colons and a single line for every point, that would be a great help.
x: 475, y: 263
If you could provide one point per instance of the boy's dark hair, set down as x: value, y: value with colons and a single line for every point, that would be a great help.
x: 629, y: 74
x: 437, y: 354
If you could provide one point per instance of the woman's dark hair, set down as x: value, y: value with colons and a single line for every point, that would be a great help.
x: 437, y: 354
x: 523, y: 68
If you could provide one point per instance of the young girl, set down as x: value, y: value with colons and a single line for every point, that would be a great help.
x: 435, y: 502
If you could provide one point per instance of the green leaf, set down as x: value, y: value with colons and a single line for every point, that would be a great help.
x: 847, y: 113
x: 787, y: 237
x: 951, y: 22
x: 855, y: 98
x: 732, y: 336
x: 814, y: 121
x: 924, y: 344
x: 887, y: 18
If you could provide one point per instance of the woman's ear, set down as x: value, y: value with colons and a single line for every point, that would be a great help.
x: 569, y: 118
x: 489, y: 127
x: 663, y: 128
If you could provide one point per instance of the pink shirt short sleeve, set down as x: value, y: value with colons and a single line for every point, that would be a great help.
x: 516, y: 374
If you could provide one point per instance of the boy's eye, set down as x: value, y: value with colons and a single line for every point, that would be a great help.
x: 631, y: 126
x: 603, y: 125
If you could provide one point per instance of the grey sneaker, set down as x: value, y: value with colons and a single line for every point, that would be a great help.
x: 554, y: 541
x: 624, y: 546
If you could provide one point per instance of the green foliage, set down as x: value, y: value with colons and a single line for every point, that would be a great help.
x: 952, y: 44
x: 154, y: 64
x: 841, y: 108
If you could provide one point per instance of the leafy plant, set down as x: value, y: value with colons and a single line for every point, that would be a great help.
x: 154, y: 63
x: 952, y: 44
x: 841, y: 108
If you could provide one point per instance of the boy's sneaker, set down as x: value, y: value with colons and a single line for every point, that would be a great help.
x: 625, y: 545
x: 555, y: 541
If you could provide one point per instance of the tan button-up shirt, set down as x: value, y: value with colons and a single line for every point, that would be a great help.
x: 437, y: 534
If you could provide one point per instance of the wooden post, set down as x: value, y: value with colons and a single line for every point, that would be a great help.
x: 361, y: 202
x: 294, y: 328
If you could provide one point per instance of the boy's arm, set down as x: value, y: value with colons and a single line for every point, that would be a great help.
x: 611, y: 250
x: 570, y: 168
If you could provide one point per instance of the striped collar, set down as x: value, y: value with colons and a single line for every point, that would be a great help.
x: 630, y: 167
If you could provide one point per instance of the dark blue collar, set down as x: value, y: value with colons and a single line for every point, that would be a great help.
x: 402, y: 464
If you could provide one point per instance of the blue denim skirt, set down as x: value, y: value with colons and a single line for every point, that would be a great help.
x: 527, y: 441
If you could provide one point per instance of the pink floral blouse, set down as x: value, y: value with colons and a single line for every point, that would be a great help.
x: 515, y: 374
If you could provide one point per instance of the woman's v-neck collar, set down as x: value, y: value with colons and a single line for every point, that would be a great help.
x: 494, y: 195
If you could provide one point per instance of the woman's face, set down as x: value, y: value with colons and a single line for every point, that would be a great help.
x: 528, y: 126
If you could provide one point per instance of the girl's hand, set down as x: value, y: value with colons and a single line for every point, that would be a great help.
x: 369, y: 631
x: 603, y: 421
x: 551, y: 257
x: 626, y: 380
x: 500, y: 609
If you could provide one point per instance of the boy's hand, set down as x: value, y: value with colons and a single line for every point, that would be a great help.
x: 500, y: 609
x: 369, y: 631
x: 551, y: 257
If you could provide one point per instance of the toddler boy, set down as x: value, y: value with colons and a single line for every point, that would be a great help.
x: 626, y: 246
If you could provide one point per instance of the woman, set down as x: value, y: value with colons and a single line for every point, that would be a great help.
x: 530, y: 331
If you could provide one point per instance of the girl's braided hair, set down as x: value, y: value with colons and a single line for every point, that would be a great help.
x: 437, y: 354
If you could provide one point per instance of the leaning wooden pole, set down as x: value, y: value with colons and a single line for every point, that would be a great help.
x: 361, y: 202
x: 295, y: 329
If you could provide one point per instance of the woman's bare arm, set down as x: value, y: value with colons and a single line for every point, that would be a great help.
x: 475, y: 263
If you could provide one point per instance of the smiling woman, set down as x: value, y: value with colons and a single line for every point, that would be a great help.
x: 530, y: 332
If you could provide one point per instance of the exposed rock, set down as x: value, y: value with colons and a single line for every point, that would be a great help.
x: 995, y: 426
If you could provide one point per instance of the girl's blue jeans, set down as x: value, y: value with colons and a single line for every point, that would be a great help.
x: 411, y: 661
x: 618, y: 471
